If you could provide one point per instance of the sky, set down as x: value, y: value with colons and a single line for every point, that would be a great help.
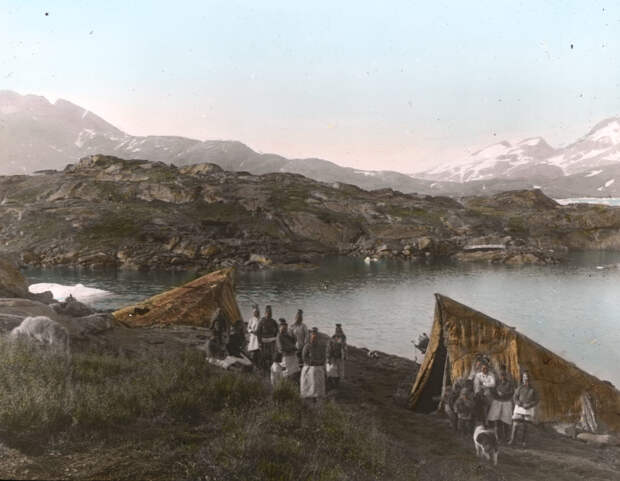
x: 403, y: 86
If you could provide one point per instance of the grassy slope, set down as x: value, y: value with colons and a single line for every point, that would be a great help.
x: 159, y: 412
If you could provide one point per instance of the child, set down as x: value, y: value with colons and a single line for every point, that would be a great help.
x: 464, y: 407
x: 277, y: 371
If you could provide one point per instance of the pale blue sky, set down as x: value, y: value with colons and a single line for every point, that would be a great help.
x: 397, y: 85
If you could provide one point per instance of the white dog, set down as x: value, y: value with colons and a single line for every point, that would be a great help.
x: 44, y: 330
x: 485, y: 441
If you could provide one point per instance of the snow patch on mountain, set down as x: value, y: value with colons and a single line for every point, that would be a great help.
x: 608, y: 133
x: 83, y: 137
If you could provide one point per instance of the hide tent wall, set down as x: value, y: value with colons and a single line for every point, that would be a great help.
x: 191, y: 304
x: 565, y: 390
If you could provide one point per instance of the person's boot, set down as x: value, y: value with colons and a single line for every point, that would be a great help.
x: 523, y: 439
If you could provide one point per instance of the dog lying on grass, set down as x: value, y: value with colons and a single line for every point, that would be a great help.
x: 486, y: 444
x: 44, y: 330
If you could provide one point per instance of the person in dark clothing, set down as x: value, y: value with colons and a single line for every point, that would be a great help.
x: 214, y: 348
x: 219, y: 325
x: 285, y: 345
x: 236, y: 341
x: 267, y: 333
x: 500, y: 412
x: 336, y: 354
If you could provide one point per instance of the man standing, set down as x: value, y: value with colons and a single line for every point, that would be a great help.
x: 253, y: 344
x: 267, y: 333
x: 285, y: 343
x: 300, y: 331
x: 525, y: 399
x: 336, y: 354
x: 313, y: 373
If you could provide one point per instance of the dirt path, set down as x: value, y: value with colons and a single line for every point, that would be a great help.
x: 440, y: 455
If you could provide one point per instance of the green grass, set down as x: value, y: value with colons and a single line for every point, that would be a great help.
x: 252, y: 431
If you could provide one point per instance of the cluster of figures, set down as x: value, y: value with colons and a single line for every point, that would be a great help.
x: 296, y: 353
x: 490, y: 399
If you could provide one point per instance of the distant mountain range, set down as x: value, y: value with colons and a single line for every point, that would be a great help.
x: 36, y: 134
x: 588, y: 166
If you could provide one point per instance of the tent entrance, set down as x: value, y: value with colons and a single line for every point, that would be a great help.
x: 438, y: 379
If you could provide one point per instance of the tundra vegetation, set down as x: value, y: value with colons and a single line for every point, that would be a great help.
x: 200, y: 422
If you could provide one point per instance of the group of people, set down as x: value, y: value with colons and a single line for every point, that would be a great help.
x: 493, y: 400
x: 293, y: 353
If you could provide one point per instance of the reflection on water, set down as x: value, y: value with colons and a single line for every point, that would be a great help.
x: 572, y: 309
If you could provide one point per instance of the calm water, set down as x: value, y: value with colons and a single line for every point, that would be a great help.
x: 572, y: 309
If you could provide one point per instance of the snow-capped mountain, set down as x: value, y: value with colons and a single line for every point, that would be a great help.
x: 501, y: 160
x: 599, y: 147
x: 535, y: 159
x: 36, y: 134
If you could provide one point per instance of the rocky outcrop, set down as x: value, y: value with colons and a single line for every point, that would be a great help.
x: 192, y: 304
x: 106, y: 212
x: 12, y: 282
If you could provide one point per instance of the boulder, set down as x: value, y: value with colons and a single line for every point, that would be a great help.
x: 424, y: 243
x: 259, y: 259
x: 72, y: 308
x: 191, y: 304
x: 12, y: 282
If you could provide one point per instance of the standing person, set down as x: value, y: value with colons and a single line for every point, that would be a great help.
x: 525, y: 399
x: 312, y: 383
x: 336, y: 354
x: 500, y: 412
x: 219, y: 326
x: 300, y: 331
x: 484, y: 382
x: 267, y: 333
x: 236, y: 340
x: 253, y: 344
x: 285, y: 343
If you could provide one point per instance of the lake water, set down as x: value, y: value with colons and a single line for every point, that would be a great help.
x: 573, y: 309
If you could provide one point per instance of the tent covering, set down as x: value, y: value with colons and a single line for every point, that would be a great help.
x: 460, y: 333
x: 191, y: 304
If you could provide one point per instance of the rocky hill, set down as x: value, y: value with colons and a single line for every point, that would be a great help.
x: 109, y: 212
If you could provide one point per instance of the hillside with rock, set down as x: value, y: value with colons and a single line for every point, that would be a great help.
x: 105, y: 212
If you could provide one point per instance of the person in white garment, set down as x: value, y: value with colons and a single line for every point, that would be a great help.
x: 253, y: 344
x: 276, y: 370
x: 312, y: 385
x: 484, y: 383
